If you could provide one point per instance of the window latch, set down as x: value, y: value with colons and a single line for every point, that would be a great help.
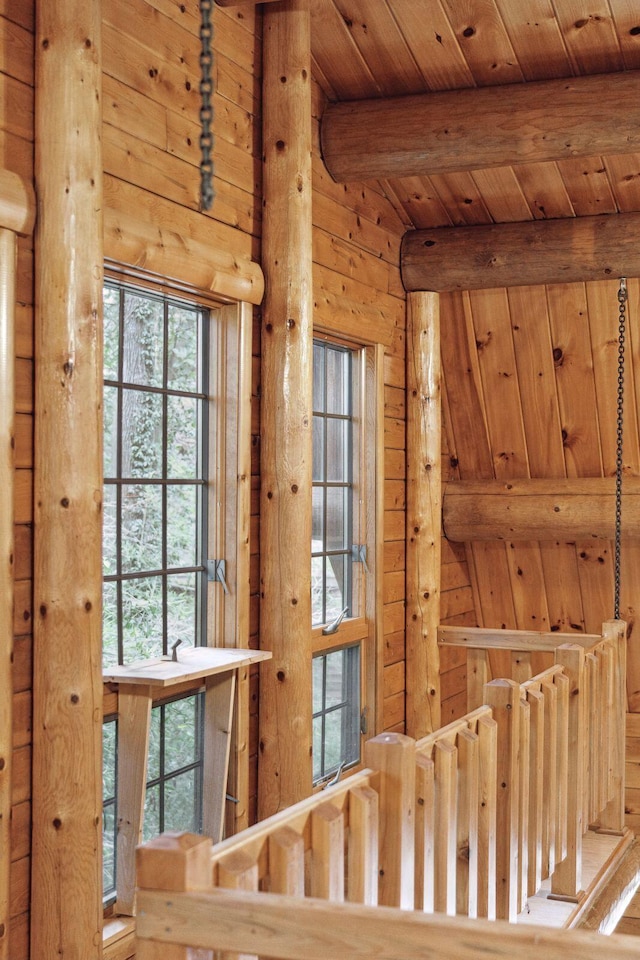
x: 364, y: 723
x: 216, y: 572
x: 359, y: 555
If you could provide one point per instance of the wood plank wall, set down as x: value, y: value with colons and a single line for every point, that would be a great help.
x: 151, y: 155
x: 16, y: 154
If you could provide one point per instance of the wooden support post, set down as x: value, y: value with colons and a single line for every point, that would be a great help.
x: 487, y: 886
x: 467, y: 826
x: 284, y: 765
x: 445, y: 757
x: 424, y: 508
x: 8, y: 258
x: 134, y: 720
x: 66, y: 888
x: 503, y: 696
x: 173, y: 863
x: 567, y: 877
x: 452, y: 130
x: 477, y: 676
x: 218, y: 718
x: 612, y: 817
x: 362, y: 871
x: 393, y: 755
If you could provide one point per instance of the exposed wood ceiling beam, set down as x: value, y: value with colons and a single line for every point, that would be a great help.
x: 475, y: 128
x: 517, y: 254
x: 561, y: 510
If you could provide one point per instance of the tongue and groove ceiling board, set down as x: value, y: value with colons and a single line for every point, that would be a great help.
x: 529, y: 372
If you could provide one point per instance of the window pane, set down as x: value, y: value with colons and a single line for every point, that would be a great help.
x: 336, y: 709
x: 141, y: 434
x: 109, y: 624
x: 182, y: 349
x: 109, y: 760
x: 181, y: 734
x: 335, y: 585
x: 338, y: 364
x: 154, y: 767
x: 143, y: 347
x: 182, y: 528
x: 142, y: 618
x: 152, y: 818
x: 182, y: 438
x: 180, y: 798
x: 141, y: 518
x: 338, y: 465
x: 318, y: 377
x: 181, y: 608
x: 111, y: 333
x: 110, y: 439
x: 108, y: 849
x: 317, y: 590
x: 317, y: 522
x: 318, y: 448
x: 338, y: 526
x: 109, y: 531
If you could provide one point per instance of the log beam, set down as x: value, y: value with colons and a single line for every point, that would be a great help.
x: 565, y: 510
x: 284, y: 766
x: 574, y: 250
x: 424, y: 510
x: 453, y: 130
x: 66, y: 900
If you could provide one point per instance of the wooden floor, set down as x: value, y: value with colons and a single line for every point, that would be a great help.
x: 599, y: 853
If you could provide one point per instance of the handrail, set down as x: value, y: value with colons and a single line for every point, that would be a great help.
x: 250, y: 924
x: 470, y: 819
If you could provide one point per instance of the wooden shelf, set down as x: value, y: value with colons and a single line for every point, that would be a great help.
x: 193, y: 663
x: 218, y: 668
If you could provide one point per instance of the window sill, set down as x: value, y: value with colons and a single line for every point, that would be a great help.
x: 118, y: 938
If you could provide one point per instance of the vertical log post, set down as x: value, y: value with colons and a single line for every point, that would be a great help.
x: 424, y: 508
x: 567, y: 876
x: 394, y: 756
x: 8, y: 259
x: 173, y: 863
x: 612, y: 818
x: 503, y: 696
x: 284, y: 765
x: 66, y: 886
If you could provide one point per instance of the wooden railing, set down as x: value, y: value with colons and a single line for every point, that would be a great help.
x: 470, y: 820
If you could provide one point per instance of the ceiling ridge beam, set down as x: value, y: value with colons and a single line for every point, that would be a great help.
x: 571, y: 250
x: 479, y: 127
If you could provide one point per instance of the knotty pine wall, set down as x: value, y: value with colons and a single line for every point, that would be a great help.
x: 16, y: 154
x: 151, y: 155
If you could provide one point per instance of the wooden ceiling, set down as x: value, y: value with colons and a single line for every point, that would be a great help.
x: 530, y: 372
x: 380, y: 48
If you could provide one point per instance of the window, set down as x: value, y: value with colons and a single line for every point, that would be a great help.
x: 344, y: 565
x: 155, y: 429
x: 155, y: 535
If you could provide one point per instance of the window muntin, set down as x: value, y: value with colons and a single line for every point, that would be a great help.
x: 109, y: 818
x: 336, y: 711
x: 340, y: 506
x: 333, y: 482
x: 155, y: 457
x: 156, y: 359
x: 173, y: 799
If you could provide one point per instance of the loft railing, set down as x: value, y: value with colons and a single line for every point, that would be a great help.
x: 469, y: 820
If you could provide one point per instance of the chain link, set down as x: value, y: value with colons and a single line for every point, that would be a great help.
x: 622, y: 316
x: 206, y: 107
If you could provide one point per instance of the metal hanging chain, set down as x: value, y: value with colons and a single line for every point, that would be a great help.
x: 206, y: 107
x: 622, y: 316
